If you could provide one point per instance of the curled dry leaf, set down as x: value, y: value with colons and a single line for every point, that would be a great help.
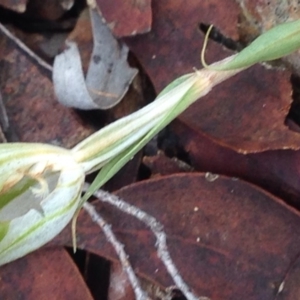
x: 108, y: 76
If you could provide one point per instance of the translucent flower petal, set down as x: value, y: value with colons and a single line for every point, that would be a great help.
x: 40, y: 202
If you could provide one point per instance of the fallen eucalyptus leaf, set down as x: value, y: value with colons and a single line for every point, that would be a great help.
x: 108, y: 77
x: 68, y: 80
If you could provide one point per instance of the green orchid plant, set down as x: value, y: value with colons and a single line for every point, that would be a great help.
x: 41, y: 185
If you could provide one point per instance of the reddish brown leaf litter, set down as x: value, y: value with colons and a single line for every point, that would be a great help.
x: 45, y: 274
x: 246, y: 113
x: 127, y: 175
x: 276, y: 171
x: 290, y: 285
x: 160, y: 165
x: 127, y: 18
x: 34, y: 114
x: 229, y: 239
x: 173, y: 46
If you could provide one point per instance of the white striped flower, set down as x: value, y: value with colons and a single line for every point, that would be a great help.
x: 40, y: 191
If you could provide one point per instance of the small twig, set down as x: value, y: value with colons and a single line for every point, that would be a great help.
x: 119, y: 248
x: 4, y: 123
x: 157, y: 229
x: 3, y: 115
x: 22, y: 46
x: 2, y: 136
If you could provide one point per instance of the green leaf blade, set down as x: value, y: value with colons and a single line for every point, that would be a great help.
x: 275, y: 43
